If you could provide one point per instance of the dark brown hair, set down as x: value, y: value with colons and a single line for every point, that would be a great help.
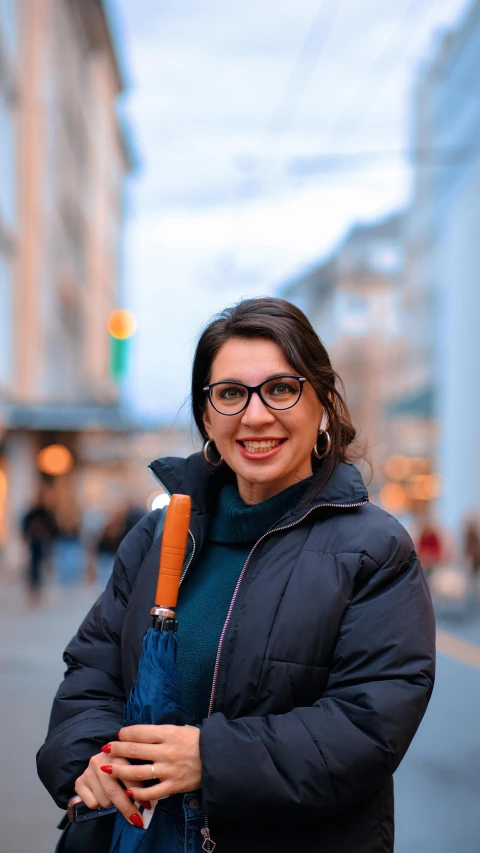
x: 283, y: 323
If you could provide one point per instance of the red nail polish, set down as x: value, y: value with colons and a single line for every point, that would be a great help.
x: 128, y: 792
x: 107, y: 768
x: 146, y: 804
x: 107, y: 748
x: 136, y: 820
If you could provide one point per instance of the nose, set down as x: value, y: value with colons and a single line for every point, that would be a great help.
x: 257, y: 413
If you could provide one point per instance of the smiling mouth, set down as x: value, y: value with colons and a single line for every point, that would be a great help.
x: 261, y: 446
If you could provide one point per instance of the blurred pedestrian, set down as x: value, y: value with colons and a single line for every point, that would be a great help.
x: 39, y: 529
x: 68, y: 551
x: 429, y: 546
x: 120, y: 521
x: 471, y: 549
x: 108, y: 543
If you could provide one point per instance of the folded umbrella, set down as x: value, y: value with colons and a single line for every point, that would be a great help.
x: 156, y: 696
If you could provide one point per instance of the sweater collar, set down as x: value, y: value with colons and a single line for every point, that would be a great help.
x: 236, y: 522
x: 195, y: 477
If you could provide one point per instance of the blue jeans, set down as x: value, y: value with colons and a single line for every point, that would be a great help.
x: 69, y: 560
x: 176, y: 825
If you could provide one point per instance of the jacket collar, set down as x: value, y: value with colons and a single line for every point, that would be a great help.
x: 195, y: 477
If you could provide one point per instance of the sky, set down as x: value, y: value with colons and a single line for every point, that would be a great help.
x: 249, y: 121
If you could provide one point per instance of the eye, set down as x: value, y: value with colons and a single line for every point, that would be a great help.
x: 280, y: 389
x: 231, y: 393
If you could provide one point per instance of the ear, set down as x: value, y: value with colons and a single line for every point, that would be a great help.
x: 207, y: 424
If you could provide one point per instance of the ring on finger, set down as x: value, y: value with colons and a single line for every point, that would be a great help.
x: 154, y: 775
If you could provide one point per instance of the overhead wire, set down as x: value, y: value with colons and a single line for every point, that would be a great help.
x: 383, y: 54
x: 335, y: 163
x: 297, y: 82
x: 303, y: 67
x: 331, y: 162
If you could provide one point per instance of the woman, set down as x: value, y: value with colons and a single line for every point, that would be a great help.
x: 306, y: 630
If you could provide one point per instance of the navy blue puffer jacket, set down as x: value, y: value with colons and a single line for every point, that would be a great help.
x: 324, y: 671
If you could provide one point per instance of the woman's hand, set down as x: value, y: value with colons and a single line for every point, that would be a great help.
x: 99, y: 789
x: 173, y: 750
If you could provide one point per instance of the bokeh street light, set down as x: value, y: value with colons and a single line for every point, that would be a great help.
x: 55, y: 460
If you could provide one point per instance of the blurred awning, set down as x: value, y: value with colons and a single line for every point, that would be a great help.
x: 421, y: 404
x: 69, y: 417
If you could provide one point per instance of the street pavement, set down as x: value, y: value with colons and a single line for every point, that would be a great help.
x: 31, y: 667
x: 437, y: 785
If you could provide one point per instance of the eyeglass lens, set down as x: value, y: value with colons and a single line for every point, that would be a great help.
x: 278, y: 393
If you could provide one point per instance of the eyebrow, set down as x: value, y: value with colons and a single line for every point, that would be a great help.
x: 240, y: 382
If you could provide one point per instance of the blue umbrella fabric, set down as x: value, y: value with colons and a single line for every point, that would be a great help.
x: 154, y: 699
x: 156, y: 696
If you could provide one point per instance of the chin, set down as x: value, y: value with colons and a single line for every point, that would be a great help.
x: 266, y: 474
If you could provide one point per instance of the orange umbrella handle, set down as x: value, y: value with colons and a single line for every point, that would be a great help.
x: 172, y: 554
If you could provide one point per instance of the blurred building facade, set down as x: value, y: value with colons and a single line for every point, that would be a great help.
x: 444, y: 258
x: 356, y: 302
x: 9, y: 98
x: 62, y: 184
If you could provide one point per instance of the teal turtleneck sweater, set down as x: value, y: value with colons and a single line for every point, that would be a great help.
x: 208, y: 587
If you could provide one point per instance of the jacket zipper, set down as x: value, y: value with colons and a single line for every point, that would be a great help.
x: 206, y: 831
x: 208, y: 843
x: 242, y: 575
x: 187, y: 566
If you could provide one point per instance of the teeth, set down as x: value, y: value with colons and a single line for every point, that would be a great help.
x: 260, y: 446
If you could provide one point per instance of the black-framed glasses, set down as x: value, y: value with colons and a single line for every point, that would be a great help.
x: 277, y: 392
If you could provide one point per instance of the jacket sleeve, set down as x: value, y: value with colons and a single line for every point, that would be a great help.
x: 88, y: 707
x: 314, y: 761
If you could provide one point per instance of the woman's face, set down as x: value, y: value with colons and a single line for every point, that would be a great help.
x: 291, y: 433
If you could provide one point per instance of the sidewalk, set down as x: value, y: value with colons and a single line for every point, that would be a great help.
x: 31, y: 667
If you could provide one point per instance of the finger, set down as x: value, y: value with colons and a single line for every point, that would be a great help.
x: 123, y: 801
x: 148, y: 734
x: 105, y: 763
x: 131, y: 773
x: 155, y: 792
x: 117, y: 796
x: 103, y: 787
x: 91, y: 790
x: 94, y: 788
x: 100, y: 793
x: 148, y: 752
x: 85, y: 793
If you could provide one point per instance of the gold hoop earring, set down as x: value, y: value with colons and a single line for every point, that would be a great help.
x: 329, y: 444
x: 206, y: 447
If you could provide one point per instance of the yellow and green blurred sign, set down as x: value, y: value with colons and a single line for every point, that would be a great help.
x: 121, y: 326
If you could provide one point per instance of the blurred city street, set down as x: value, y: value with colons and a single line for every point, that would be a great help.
x: 437, y: 785
x: 160, y: 161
